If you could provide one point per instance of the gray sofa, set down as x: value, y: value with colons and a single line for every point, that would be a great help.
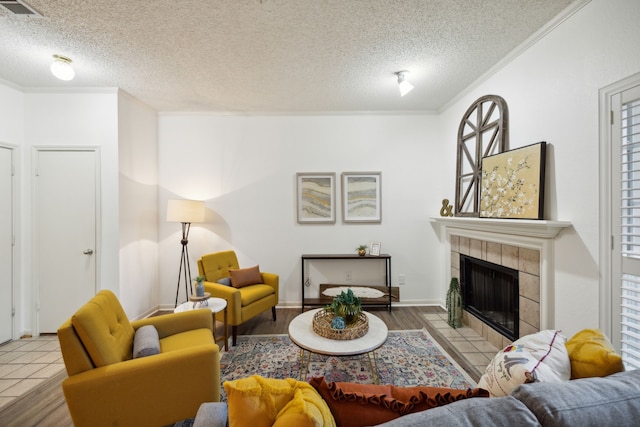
x: 597, y: 402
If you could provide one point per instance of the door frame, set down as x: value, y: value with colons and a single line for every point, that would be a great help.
x: 34, y: 221
x: 15, y: 218
x: 607, y: 324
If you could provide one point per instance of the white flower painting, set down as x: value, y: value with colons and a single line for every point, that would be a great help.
x: 513, y: 182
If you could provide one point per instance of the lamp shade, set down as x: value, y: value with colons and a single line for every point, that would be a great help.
x: 185, y: 211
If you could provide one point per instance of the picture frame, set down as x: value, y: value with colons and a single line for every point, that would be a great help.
x: 362, y: 197
x: 512, y: 184
x: 316, y: 197
x: 374, y: 249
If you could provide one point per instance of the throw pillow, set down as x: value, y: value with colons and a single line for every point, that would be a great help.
x: 592, y: 355
x: 537, y: 357
x: 245, y: 276
x: 260, y: 402
x: 376, y: 404
x: 305, y: 409
x: 225, y: 281
x: 146, y: 341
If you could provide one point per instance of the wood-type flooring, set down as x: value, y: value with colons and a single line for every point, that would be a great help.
x: 45, y: 405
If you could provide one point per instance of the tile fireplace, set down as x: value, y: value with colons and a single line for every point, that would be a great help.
x: 523, y: 246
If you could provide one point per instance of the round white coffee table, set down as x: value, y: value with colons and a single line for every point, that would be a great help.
x: 215, y: 305
x: 301, y: 334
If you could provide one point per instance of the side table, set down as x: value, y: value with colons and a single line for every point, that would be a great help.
x: 215, y: 305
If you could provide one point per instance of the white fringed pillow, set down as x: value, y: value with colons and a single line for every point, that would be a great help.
x: 541, y: 357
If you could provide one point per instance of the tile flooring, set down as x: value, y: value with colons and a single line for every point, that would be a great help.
x: 470, y: 346
x: 26, y: 363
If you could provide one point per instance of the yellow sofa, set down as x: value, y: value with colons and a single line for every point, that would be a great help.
x: 242, y: 303
x: 108, y: 387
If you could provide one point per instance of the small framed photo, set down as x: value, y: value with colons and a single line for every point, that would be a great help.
x: 362, y: 197
x: 374, y: 249
x: 316, y: 196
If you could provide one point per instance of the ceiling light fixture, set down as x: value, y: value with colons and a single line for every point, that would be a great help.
x: 61, y: 68
x: 404, y: 86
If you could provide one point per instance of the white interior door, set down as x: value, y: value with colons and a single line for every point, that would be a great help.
x: 6, y: 244
x: 65, y: 233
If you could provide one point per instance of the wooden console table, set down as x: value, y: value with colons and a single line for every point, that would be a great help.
x: 323, y: 300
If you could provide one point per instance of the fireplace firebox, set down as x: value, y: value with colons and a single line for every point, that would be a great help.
x: 490, y: 292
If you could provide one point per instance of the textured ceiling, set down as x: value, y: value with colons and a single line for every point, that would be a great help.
x: 272, y: 55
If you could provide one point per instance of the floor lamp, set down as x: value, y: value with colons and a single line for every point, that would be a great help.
x: 185, y: 212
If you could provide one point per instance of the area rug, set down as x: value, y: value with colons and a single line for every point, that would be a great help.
x: 408, y: 358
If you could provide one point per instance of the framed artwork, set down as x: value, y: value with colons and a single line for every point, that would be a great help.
x: 374, y: 249
x: 513, y: 183
x: 316, y: 195
x: 483, y: 131
x: 362, y: 197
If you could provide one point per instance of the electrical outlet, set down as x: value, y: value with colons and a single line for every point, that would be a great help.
x: 402, y: 280
x: 348, y: 276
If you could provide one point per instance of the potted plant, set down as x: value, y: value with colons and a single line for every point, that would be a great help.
x: 200, y: 286
x: 346, y: 305
x: 362, y: 250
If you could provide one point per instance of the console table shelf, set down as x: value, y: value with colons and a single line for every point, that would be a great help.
x: 385, y: 300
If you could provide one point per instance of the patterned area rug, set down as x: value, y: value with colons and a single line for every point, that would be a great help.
x: 408, y: 358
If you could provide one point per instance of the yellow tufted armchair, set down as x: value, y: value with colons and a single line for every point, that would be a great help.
x: 242, y: 303
x: 108, y: 387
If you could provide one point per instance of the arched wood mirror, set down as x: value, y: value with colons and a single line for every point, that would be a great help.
x: 483, y: 131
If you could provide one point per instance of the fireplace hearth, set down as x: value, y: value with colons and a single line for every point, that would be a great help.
x: 523, y: 245
x: 491, y: 293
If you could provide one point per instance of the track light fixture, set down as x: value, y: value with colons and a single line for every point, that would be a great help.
x: 404, y: 86
x: 61, y: 68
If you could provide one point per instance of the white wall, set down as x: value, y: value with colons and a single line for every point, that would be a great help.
x: 244, y: 167
x: 12, y: 134
x: 82, y: 118
x: 12, y: 113
x: 126, y: 133
x: 552, y: 93
x: 138, y: 196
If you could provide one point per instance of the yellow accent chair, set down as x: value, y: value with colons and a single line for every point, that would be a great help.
x: 245, y: 302
x: 107, y: 386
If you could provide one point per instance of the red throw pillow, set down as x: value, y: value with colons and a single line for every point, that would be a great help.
x: 377, y: 404
x: 245, y: 276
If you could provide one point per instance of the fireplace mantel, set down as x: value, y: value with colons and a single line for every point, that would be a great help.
x: 541, y: 229
x: 536, y: 235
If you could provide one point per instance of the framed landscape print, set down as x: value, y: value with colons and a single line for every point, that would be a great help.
x: 316, y: 195
x: 513, y: 183
x: 362, y: 197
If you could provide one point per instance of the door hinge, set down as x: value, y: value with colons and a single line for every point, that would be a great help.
x: 612, y: 242
x: 611, y: 116
x: 13, y: 240
x: 13, y: 311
